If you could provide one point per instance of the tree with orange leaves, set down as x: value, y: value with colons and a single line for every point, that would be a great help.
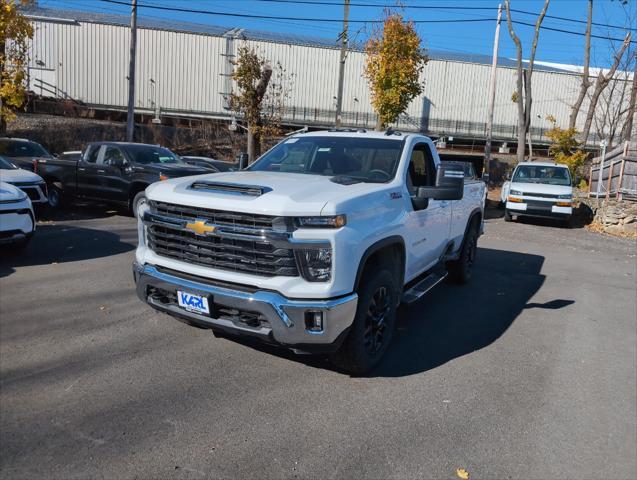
x: 15, y: 32
x: 393, y: 66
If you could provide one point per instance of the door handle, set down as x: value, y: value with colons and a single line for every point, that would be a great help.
x: 81, y: 169
x: 101, y: 171
x: 444, y: 203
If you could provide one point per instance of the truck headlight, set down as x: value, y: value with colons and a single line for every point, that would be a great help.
x: 515, y: 192
x: 315, y: 264
x: 566, y: 196
x: 333, y: 221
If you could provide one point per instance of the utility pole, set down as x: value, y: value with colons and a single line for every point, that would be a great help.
x: 130, y: 119
x: 341, y: 67
x: 494, y: 71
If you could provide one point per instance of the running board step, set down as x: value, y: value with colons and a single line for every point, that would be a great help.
x: 416, y: 292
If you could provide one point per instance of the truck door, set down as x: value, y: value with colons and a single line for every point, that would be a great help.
x: 115, y: 175
x: 428, y: 228
x: 87, y: 172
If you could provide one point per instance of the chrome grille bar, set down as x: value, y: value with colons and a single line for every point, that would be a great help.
x: 255, y: 244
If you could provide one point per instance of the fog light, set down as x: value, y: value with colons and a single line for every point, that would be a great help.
x: 314, y: 321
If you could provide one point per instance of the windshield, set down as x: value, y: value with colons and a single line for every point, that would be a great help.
x: 6, y: 164
x: 542, y: 174
x: 146, y: 154
x: 20, y: 148
x: 363, y: 159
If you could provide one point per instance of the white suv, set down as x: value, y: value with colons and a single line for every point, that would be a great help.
x: 539, y: 189
x: 17, y: 222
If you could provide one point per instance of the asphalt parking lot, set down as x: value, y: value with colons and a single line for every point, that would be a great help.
x: 528, y: 372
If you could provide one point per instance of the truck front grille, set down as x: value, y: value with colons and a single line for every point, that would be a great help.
x: 254, y: 256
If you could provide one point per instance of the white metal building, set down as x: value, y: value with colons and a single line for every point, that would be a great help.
x: 184, y: 69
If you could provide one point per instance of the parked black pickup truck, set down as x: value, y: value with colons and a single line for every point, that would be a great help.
x: 112, y: 172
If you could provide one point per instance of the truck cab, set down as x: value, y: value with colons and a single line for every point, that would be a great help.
x: 112, y: 172
x: 314, y: 245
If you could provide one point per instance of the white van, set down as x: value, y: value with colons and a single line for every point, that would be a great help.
x: 539, y: 189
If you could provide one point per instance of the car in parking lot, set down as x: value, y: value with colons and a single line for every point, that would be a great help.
x: 211, y: 163
x: 30, y: 183
x: 22, y: 152
x: 538, y: 189
x: 17, y: 221
x: 112, y: 172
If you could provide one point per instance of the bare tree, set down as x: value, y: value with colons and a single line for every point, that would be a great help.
x: 252, y: 74
x: 600, y: 84
x: 524, y: 101
x: 632, y: 107
x: 612, y: 108
x: 586, y: 83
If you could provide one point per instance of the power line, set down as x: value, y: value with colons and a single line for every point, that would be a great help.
x: 378, y: 5
x: 577, y: 21
x: 445, y: 7
x: 270, y: 17
x: 277, y: 17
x: 571, y: 32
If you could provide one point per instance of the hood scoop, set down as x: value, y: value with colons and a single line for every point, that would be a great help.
x: 230, y: 188
x: 344, y: 180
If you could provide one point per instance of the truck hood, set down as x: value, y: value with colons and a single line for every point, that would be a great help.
x: 545, y: 188
x: 280, y: 193
x: 19, y: 175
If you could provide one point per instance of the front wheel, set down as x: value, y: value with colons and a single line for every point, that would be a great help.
x: 460, y: 269
x: 507, y: 216
x: 138, y: 200
x: 373, y: 325
x: 55, y: 197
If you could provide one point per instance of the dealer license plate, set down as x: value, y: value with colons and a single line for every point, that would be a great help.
x: 193, y: 303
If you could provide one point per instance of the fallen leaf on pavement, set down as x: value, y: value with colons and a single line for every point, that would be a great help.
x: 462, y: 473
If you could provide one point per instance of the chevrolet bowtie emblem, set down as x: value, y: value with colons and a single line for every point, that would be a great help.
x: 199, y: 227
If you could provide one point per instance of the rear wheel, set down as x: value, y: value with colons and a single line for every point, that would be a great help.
x: 460, y: 270
x: 373, y: 325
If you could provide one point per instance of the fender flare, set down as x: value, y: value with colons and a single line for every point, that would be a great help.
x: 474, y: 212
x: 375, y: 247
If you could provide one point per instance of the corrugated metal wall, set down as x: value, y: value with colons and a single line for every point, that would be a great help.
x: 188, y: 73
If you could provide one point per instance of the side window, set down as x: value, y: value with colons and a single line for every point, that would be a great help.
x: 112, y: 155
x: 421, y: 168
x: 91, y: 155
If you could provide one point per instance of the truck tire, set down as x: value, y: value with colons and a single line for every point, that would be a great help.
x: 507, y: 216
x: 567, y: 222
x: 55, y: 196
x: 139, y: 198
x: 373, y: 325
x: 460, y: 270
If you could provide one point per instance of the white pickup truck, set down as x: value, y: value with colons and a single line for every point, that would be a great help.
x: 539, y: 189
x: 314, y: 245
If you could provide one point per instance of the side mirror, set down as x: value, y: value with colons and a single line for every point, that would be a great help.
x: 420, y: 203
x: 242, y: 160
x: 449, y: 183
x: 118, y: 162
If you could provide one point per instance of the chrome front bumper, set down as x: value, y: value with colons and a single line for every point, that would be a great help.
x: 283, y: 319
